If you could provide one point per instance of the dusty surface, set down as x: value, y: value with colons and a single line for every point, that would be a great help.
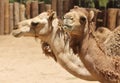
x: 22, y: 61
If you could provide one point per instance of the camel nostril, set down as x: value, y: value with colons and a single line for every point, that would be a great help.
x: 34, y: 23
x: 16, y: 27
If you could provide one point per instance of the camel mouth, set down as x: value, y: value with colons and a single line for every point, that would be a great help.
x: 15, y: 34
x: 67, y: 28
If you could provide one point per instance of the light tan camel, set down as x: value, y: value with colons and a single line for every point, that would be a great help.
x: 46, y: 27
x: 100, y: 54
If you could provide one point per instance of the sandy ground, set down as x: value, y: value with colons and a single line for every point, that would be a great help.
x: 22, y: 61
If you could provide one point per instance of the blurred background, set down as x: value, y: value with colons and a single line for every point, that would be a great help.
x: 14, y: 11
x: 83, y: 3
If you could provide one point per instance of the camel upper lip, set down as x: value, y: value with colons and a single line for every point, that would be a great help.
x: 16, y: 34
x: 67, y: 28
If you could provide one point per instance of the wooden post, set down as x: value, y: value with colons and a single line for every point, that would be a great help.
x: 54, y: 5
x: 1, y: 17
x: 66, y: 6
x: 71, y: 3
x: 22, y: 12
x: 6, y: 17
x: 34, y: 8
x: 101, y: 18
x: 27, y: 11
x: 48, y: 7
x: 16, y: 13
x: 41, y: 7
x: 105, y: 18
x: 76, y: 2
x: 118, y: 18
x: 60, y: 8
x: 11, y: 25
x: 111, y: 20
x: 96, y: 2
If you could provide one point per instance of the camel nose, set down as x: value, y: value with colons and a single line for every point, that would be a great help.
x: 16, y: 27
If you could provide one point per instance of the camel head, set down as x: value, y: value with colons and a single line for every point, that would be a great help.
x: 39, y: 25
x: 45, y: 24
x: 77, y: 20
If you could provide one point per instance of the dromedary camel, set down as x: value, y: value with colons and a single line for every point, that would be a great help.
x: 46, y: 27
x: 100, y: 57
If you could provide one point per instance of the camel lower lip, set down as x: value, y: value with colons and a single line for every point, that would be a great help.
x: 66, y: 28
x: 16, y: 34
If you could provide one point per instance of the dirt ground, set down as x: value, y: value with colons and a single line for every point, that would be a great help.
x: 22, y: 61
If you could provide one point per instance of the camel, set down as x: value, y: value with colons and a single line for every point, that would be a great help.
x: 98, y: 50
x: 48, y: 29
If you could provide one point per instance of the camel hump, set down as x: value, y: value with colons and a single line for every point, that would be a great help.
x: 112, y: 43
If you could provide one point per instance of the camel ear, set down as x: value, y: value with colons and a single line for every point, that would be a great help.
x: 91, y: 15
x: 76, y: 7
x: 52, y: 15
x: 34, y: 23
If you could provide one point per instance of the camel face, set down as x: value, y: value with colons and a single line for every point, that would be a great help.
x: 35, y: 26
x: 72, y: 24
x: 44, y: 25
x: 76, y: 20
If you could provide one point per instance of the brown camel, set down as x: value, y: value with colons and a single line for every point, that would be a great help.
x: 46, y: 27
x: 100, y: 54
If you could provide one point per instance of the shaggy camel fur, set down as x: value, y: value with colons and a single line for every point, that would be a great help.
x: 112, y: 43
x: 46, y: 27
x: 101, y: 57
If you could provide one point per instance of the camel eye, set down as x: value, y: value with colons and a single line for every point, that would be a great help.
x: 34, y: 23
x: 71, y: 18
x: 82, y: 20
